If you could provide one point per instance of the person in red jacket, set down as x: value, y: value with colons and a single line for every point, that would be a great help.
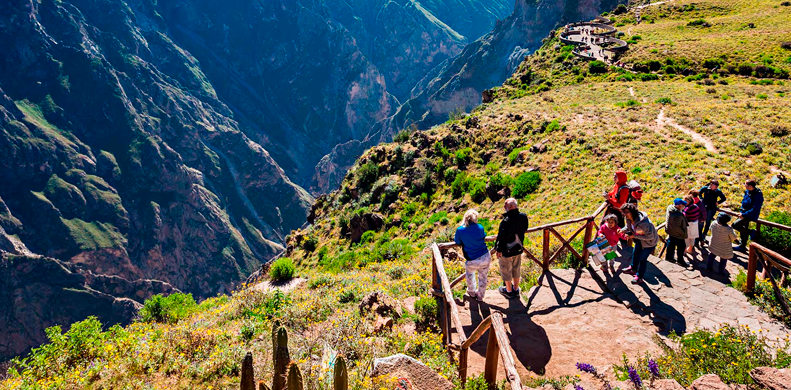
x: 617, y: 196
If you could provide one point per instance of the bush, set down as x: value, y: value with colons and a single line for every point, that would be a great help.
x: 515, y: 154
x: 463, y: 157
x: 321, y: 280
x: 459, y: 185
x: 526, y: 183
x: 168, y: 309
x: 477, y: 190
x: 745, y: 69
x: 776, y: 239
x: 500, y: 180
x: 552, y: 126
x: 347, y: 296
x: 401, y: 137
x: 669, y: 69
x: 426, y: 310
x: 367, y: 175
x: 786, y: 45
x: 699, y: 23
x: 310, y: 244
x: 282, y: 269
x: 754, y: 148
x: 712, y: 63
x: 653, y: 65
x: 779, y: 131
x: 648, y: 77
x: 664, y: 101
x: 619, y: 10
x: 597, y: 67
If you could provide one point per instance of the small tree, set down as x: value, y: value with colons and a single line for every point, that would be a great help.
x: 597, y: 67
x: 282, y: 269
x: 526, y: 183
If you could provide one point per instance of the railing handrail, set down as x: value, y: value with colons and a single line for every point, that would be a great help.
x: 448, y: 294
x: 758, y: 221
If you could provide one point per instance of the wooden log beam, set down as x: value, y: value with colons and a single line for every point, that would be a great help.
x: 478, y: 332
x: 760, y: 221
x: 454, y: 310
x: 457, y: 280
x: 505, y: 351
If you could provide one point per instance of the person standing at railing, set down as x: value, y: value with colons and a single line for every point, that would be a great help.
x: 752, y: 202
x: 695, y: 194
x: 712, y: 198
x: 676, y: 227
x: 509, y: 246
x: 722, y: 237
x: 643, y: 231
x: 471, y: 236
x: 618, y: 196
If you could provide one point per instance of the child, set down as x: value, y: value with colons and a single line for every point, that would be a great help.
x: 610, y: 230
x: 676, y: 228
x: 722, y: 236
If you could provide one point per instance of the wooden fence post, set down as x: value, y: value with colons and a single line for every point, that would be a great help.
x: 587, y: 240
x: 546, y: 249
x: 752, y: 267
x: 490, y: 365
x: 463, y: 366
x: 248, y: 380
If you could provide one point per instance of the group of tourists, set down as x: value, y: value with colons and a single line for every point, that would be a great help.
x: 689, y: 219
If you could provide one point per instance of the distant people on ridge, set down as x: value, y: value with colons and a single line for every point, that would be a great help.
x: 752, y: 202
x: 639, y: 228
x: 693, y: 215
x: 676, y: 226
x: 712, y: 198
x: 471, y: 236
x: 722, y: 238
x: 509, y: 247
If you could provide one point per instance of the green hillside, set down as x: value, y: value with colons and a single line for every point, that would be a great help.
x: 582, y: 122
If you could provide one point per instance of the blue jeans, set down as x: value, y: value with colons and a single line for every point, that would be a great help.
x: 704, y: 227
x: 640, y: 258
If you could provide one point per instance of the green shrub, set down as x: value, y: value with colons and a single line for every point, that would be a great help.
x: 515, y: 153
x: 367, y: 174
x: 648, y: 77
x: 426, y: 310
x: 463, y: 157
x: 764, y: 296
x: 653, y: 65
x: 347, y: 296
x: 762, y: 96
x: 745, y: 69
x: 776, y: 239
x: 459, y: 185
x: 597, y: 67
x: 526, y: 183
x: 282, y: 269
x: 699, y: 23
x: 310, y: 244
x: 500, y: 180
x: 320, y: 280
x: 664, y: 101
x: 552, y: 126
x: 168, y: 309
x: 712, y: 63
x: 439, y: 217
x: 477, y: 190
x: 402, y: 136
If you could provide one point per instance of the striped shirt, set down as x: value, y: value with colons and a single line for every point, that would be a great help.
x: 692, y: 212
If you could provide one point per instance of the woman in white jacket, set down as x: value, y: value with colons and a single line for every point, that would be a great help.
x: 722, y: 237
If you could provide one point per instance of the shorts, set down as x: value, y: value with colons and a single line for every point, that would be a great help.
x: 510, y: 267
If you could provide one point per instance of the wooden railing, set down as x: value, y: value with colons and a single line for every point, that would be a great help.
x: 769, y: 259
x: 498, y: 346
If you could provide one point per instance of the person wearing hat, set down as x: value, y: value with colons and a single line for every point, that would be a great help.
x: 722, y: 237
x: 676, y: 227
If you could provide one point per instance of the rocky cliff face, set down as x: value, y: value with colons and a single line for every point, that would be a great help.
x: 172, y: 140
x: 489, y: 61
x: 457, y: 83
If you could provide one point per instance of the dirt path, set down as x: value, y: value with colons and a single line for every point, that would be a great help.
x: 662, y: 121
x: 631, y: 91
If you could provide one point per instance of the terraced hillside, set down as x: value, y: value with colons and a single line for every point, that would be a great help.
x: 552, y: 136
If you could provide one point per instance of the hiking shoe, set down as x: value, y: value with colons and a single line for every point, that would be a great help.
x: 628, y: 270
x: 515, y: 293
x: 637, y: 280
x: 504, y: 292
x: 683, y: 263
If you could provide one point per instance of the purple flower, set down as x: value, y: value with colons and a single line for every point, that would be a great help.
x: 635, y: 378
x: 653, y: 368
x: 585, y: 367
x: 578, y: 387
x: 607, y: 385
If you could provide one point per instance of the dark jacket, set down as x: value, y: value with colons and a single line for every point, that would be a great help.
x: 752, y: 203
x: 514, y: 224
x: 676, y: 225
x: 711, y: 198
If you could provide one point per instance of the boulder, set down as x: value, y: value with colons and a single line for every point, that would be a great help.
x: 381, y: 304
x: 772, y: 378
x: 538, y: 148
x: 487, y: 96
x: 709, y: 382
x: 666, y: 384
x: 362, y: 223
x: 415, y: 374
x: 383, y: 323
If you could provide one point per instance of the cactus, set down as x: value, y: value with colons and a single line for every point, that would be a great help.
x: 294, y: 378
x: 340, y: 379
x: 248, y: 381
x: 262, y: 386
x: 281, y: 358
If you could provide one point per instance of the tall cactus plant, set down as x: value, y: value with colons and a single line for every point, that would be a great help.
x: 340, y: 379
x: 248, y: 381
x: 281, y: 358
x: 294, y: 378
